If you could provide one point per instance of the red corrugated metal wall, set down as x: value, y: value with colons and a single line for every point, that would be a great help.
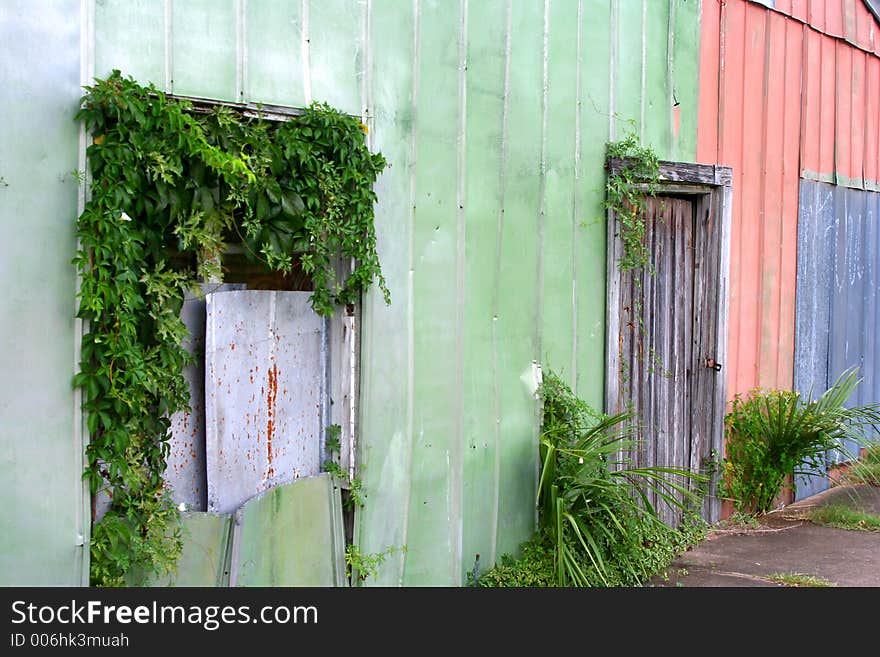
x: 785, y: 92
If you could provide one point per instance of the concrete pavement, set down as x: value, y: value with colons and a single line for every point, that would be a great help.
x: 785, y: 542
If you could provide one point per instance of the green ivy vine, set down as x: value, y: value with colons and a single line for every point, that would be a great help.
x: 625, y: 192
x: 170, y: 187
x: 626, y: 189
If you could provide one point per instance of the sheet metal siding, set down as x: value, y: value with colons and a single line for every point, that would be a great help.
x: 786, y: 93
x: 186, y: 472
x: 837, y: 294
x: 42, y: 524
x: 514, y: 126
x: 494, y: 115
x: 263, y: 393
x: 206, y: 551
x: 291, y: 535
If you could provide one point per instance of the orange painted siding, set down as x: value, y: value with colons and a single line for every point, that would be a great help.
x: 785, y: 93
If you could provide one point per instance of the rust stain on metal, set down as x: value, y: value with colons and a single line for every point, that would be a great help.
x: 270, y: 412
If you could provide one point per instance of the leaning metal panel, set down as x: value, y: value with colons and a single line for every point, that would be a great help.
x: 186, y: 473
x: 263, y: 393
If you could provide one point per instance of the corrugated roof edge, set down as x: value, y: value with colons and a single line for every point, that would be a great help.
x: 874, y: 7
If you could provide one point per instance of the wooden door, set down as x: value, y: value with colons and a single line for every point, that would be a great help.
x: 667, y: 337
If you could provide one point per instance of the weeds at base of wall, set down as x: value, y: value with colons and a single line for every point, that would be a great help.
x: 597, y: 525
x: 636, y: 561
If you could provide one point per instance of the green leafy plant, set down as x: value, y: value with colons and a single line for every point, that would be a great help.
x: 169, y: 188
x: 534, y: 568
x: 772, y: 434
x: 597, y: 525
x: 360, y: 566
x: 625, y: 192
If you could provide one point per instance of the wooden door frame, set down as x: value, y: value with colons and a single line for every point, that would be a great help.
x: 710, y: 188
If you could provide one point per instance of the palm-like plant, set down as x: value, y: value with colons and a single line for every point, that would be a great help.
x: 774, y: 433
x: 591, y: 501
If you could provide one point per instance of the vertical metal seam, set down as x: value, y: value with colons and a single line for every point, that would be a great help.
x: 306, y: 55
x: 802, y: 123
x: 542, y: 193
x: 644, y: 71
x: 763, y: 283
x: 576, y: 197
x: 496, y: 303
x: 168, y: 28
x: 366, y: 72
x: 80, y: 430
x: 614, y: 43
x: 821, y: 82
x: 366, y: 105
x: 241, y: 48
x: 866, y: 147
x: 354, y: 353
x: 782, y: 223
x: 722, y: 70
x: 410, y: 294
x: 741, y: 243
x: 366, y: 309
x: 835, y: 176
x: 457, y: 478
x: 352, y: 394
x: 670, y: 81
x: 865, y: 115
x: 325, y: 393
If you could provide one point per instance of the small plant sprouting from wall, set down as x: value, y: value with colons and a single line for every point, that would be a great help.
x: 625, y: 192
x: 170, y: 187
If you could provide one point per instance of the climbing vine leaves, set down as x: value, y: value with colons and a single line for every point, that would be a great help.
x: 625, y: 192
x: 170, y: 187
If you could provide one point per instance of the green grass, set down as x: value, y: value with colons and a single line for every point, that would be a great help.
x: 845, y: 517
x: 799, y: 579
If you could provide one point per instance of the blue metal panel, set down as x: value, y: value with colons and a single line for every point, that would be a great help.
x: 837, y: 309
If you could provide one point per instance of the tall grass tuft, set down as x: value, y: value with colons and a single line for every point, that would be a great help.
x: 775, y: 433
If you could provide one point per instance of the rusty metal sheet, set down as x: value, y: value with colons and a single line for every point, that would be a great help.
x: 186, y: 471
x: 264, y: 391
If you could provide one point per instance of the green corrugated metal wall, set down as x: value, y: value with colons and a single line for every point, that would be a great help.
x: 494, y: 115
x: 41, y: 491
